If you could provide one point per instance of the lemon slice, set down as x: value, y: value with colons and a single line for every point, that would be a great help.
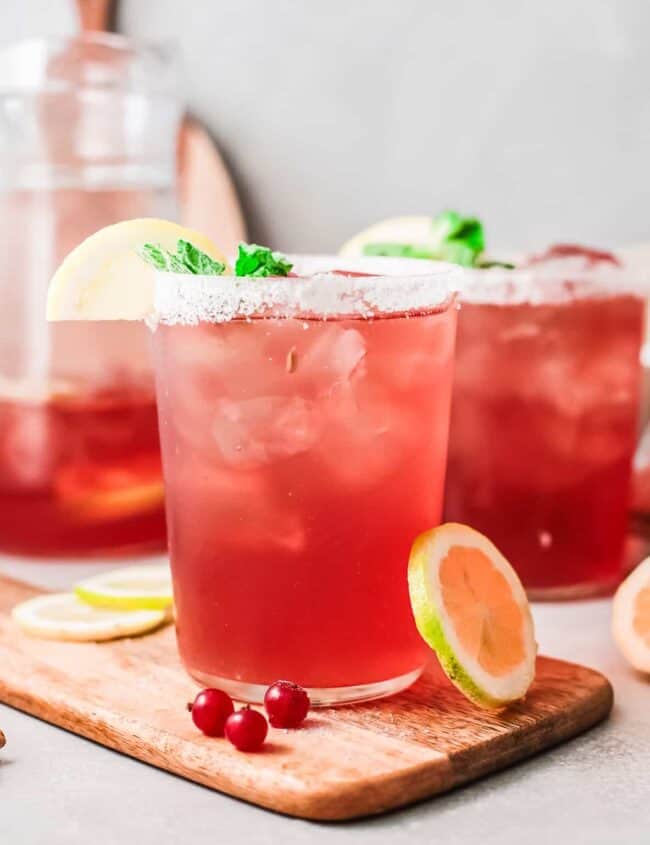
x: 104, y: 278
x: 631, y: 617
x: 107, y: 492
x: 62, y: 616
x: 406, y: 230
x: 130, y: 588
x: 470, y: 607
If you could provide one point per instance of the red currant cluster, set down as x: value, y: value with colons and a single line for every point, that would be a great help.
x: 213, y: 713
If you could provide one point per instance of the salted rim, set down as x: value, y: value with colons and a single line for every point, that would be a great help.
x: 552, y: 282
x: 395, y: 286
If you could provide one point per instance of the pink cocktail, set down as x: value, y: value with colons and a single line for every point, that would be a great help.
x: 544, y: 418
x: 80, y: 474
x: 80, y: 468
x: 304, y: 428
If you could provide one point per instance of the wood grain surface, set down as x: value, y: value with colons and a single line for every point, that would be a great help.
x: 130, y: 695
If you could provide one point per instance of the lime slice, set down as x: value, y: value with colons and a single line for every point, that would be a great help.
x: 131, y: 588
x: 470, y: 607
x: 62, y: 616
x: 631, y: 617
x: 402, y: 230
x: 105, y: 279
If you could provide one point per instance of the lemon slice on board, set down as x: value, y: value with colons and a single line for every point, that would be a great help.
x: 631, y: 617
x: 63, y: 616
x: 408, y: 230
x: 104, y: 278
x: 130, y: 588
x: 471, y: 608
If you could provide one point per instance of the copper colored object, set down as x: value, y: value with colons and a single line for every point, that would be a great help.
x: 207, y: 197
x: 95, y: 15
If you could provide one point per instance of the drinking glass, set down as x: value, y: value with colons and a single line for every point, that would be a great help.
x: 544, y: 419
x: 88, y: 130
x: 304, y: 426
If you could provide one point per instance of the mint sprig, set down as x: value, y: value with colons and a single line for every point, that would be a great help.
x: 186, y: 259
x: 255, y: 260
x: 453, y: 238
x: 460, y: 239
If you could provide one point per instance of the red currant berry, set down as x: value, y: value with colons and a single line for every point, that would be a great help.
x: 209, y: 710
x: 246, y: 729
x: 286, y: 703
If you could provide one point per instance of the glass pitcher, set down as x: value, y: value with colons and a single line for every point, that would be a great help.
x: 88, y: 131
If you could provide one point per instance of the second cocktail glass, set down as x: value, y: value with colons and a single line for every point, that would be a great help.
x: 544, y: 418
x: 304, y: 427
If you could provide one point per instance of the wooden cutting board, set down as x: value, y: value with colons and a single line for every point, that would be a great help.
x: 130, y: 695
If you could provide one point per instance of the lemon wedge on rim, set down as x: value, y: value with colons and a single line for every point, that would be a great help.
x: 104, y: 278
x: 408, y: 230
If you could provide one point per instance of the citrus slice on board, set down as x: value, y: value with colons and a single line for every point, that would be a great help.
x: 407, y: 230
x: 104, y: 278
x: 129, y: 588
x: 631, y: 617
x: 63, y: 616
x: 471, y: 608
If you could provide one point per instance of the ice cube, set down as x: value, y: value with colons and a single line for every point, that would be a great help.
x: 234, y: 508
x: 254, y: 432
x: 365, y: 435
x: 335, y: 356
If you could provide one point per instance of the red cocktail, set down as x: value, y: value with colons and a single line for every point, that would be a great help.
x: 80, y: 473
x: 304, y: 432
x: 544, y: 418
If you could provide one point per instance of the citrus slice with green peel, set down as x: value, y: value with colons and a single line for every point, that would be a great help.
x: 406, y: 230
x: 63, y: 616
x: 471, y: 608
x: 129, y: 588
x: 104, y: 278
x: 631, y: 617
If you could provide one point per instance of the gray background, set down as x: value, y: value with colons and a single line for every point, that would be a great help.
x: 336, y: 113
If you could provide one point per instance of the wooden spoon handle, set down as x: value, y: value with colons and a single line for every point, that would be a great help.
x: 95, y: 15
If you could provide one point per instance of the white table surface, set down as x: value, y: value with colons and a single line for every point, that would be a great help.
x: 59, y: 789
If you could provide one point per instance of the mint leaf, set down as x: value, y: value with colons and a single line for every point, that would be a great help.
x: 453, y: 238
x: 154, y: 255
x: 457, y: 252
x: 186, y: 259
x: 255, y: 260
x: 209, y: 266
x: 188, y: 255
x: 457, y: 239
x: 399, y: 250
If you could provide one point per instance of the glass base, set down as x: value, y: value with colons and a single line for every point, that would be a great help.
x: 319, y: 696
